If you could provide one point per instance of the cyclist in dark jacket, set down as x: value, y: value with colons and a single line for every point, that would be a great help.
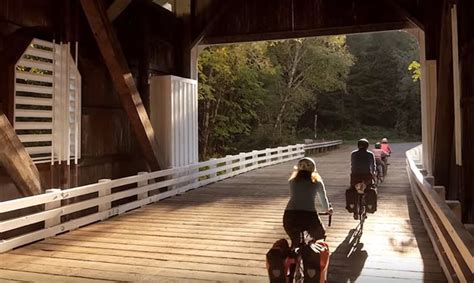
x: 362, y: 163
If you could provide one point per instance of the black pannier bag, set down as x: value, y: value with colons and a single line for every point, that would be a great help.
x: 370, y: 199
x: 276, y: 261
x: 351, y: 199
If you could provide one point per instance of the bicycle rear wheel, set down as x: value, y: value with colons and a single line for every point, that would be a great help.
x: 299, y: 272
x: 362, y: 212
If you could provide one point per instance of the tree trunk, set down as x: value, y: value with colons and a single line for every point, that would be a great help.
x: 291, y: 85
x: 205, y: 128
x: 279, y: 118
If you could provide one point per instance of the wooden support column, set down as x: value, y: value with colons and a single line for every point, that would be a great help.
x: 122, y: 79
x: 465, y: 14
x: 427, y: 103
x: 144, y: 61
x: 444, y: 125
x: 16, y: 161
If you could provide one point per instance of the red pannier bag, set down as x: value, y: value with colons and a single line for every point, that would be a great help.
x: 277, y: 265
x: 316, y: 262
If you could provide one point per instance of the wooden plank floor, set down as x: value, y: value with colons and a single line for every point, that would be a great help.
x: 222, y: 232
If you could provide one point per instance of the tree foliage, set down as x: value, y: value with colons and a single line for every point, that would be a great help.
x: 415, y: 67
x: 266, y: 94
x: 230, y: 93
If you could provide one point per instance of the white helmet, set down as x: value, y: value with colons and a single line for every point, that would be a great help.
x: 384, y: 140
x: 306, y: 164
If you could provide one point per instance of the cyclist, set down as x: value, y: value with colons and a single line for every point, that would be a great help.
x: 362, y: 171
x: 380, y: 158
x: 362, y: 164
x: 300, y: 213
x: 388, y: 150
x: 386, y: 147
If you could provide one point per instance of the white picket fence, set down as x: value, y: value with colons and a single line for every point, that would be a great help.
x: 175, y: 181
x: 452, y: 242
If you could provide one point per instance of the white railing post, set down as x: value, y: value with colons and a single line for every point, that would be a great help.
x: 105, y: 191
x: 211, y: 167
x: 228, y: 162
x: 242, y: 160
x: 268, y: 156
x: 143, y: 183
x: 254, y: 157
x: 56, y: 220
x: 279, y: 152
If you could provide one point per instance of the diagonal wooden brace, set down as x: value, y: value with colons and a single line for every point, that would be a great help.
x: 122, y: 79
x: 17, y: 161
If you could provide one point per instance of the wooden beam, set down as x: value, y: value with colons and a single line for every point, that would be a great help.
x: 116, y: 8
x: 122, y: 79
x: 235, y: 38
x: 404, y: 13
x: 224, y: 6
x: 16, y: 160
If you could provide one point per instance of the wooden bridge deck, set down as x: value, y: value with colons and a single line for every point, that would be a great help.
x: 222, y: 232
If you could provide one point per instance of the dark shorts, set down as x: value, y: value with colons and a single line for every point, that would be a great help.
x: 357, y: 178
x: 296, y: 221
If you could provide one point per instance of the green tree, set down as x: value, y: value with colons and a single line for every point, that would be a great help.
x: 230, y: 93
x: 381, y: 92
x: 306, y: 68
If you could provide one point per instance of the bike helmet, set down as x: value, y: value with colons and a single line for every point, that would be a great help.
x: 363, y: 144
x: 384, y: 140
x: 306, y: 164
x: 377, y: 145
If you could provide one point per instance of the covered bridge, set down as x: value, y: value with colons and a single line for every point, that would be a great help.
x: 93, y: 91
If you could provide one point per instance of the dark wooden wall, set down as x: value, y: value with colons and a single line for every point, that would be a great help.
x: 149, y: 36
x: 17, y: 26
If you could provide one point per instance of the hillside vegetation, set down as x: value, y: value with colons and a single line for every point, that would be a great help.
x: 266, y: 94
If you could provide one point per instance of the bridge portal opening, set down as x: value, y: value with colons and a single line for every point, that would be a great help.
x: 271, y: 93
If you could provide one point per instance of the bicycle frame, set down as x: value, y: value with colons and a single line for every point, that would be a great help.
x: 296, y: 271
x: 357, y: 235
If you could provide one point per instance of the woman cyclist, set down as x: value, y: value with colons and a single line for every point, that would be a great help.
x: 300, y: 213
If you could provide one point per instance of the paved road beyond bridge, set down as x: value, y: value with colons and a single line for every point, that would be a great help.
x: 221, y: 233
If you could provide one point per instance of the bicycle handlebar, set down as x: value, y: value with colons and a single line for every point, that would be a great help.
x: 330, y: 217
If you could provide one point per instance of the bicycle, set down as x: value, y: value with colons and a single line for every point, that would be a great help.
x: 380, y: 173
x: 385, y: 160
x: 297, y: 270
x: 361, y: 212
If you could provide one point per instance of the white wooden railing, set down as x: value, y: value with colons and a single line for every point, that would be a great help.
x: 55, y: 208
x: 322, y: 145
x: 453, y: 244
